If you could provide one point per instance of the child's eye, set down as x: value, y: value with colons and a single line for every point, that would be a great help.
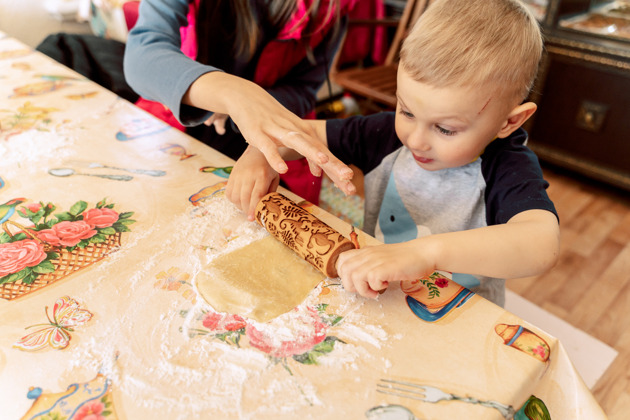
x: 445, y: 131
x: 406, y: 113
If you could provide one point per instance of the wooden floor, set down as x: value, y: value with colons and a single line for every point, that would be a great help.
x: 590, y: 285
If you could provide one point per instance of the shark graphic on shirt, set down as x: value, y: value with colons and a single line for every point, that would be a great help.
x: 396, y: 225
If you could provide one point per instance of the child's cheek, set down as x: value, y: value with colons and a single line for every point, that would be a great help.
x: 402, y: 129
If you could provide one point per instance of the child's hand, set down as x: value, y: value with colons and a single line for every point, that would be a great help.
x: 251, y: 179
x: 368, y: 270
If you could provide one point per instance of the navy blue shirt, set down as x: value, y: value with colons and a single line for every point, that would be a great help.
x: 404, y: 201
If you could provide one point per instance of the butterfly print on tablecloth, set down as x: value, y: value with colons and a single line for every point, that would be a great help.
x: 66, y: 315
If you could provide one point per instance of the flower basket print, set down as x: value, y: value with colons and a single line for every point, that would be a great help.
x: 56, y: 244
x: 310, y: 341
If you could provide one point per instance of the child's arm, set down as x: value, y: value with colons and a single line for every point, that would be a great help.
x: 252, y: 176
x: 526, y: 245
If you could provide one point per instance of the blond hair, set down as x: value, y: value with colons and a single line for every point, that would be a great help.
x: 475, y: 43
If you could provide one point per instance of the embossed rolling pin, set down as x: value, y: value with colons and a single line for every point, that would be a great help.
x: 309, y: 237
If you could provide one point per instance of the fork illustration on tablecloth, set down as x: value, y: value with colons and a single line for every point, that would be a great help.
x: 432, y: 394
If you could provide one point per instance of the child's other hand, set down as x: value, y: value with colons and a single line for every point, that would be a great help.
x: 251, y: 179
x: 368, y: 270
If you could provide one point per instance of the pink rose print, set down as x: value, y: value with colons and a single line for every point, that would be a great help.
x: 48, y: 236
x: 223, y: 322
x: 303, y: 340
x: 71, y: 233
x: 441, y: 282
x: 92, y: 410
x: 100, y: 218
x: 34, y: 207
x: 15, y: 256
x: 235, y: 323
x: 311, y: 333
x: 540, y: 351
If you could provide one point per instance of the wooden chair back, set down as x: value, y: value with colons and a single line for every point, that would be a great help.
x: 377, y: 84
x: 410, y: 15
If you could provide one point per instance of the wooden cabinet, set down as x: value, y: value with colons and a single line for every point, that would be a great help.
x: 583, y: 88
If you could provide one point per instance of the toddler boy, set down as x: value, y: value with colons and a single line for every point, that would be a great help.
x: 449, y: 183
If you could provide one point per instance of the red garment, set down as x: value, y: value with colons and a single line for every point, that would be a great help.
x: 363, y: 40
x: 286, y: 51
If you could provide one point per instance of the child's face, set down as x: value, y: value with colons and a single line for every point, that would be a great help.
x: 446, y: 127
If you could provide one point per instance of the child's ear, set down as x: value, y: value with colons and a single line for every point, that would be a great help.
x: 516, y: 118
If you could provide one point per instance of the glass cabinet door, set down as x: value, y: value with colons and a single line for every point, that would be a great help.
x: 538, y: 8
x: 605, y: 18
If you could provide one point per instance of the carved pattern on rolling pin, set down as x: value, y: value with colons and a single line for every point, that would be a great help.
x: 309, y: 237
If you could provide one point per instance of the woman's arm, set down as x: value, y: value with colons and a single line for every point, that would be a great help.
x: 264, y: 122
x: 154, y: 65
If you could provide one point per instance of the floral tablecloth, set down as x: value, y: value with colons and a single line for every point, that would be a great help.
x: 108, y: 215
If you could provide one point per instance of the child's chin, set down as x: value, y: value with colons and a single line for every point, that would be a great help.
x: 430, y: 165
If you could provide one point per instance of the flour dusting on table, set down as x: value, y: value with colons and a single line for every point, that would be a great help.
x: 182, y: 357
x: 33, y: 145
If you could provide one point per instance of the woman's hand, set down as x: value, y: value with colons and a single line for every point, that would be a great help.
x: 266, y: 124
x: 250, y: 180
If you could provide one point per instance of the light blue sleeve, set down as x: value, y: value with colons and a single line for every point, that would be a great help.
x: 154, y: 65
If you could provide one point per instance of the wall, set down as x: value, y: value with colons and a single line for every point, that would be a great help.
x: 28, y: 21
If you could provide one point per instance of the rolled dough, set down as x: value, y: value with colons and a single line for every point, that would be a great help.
x: 261, y: 280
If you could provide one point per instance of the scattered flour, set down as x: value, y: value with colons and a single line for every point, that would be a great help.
x: 20, y: 150
x: 167, y: 362
x: 370, y: 334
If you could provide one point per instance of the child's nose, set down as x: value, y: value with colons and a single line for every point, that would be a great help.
x: 418, y: 141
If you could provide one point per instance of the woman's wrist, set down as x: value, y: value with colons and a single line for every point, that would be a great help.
x: 215, y: 91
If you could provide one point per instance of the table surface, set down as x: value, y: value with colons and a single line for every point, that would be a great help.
x: 100, y: 313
